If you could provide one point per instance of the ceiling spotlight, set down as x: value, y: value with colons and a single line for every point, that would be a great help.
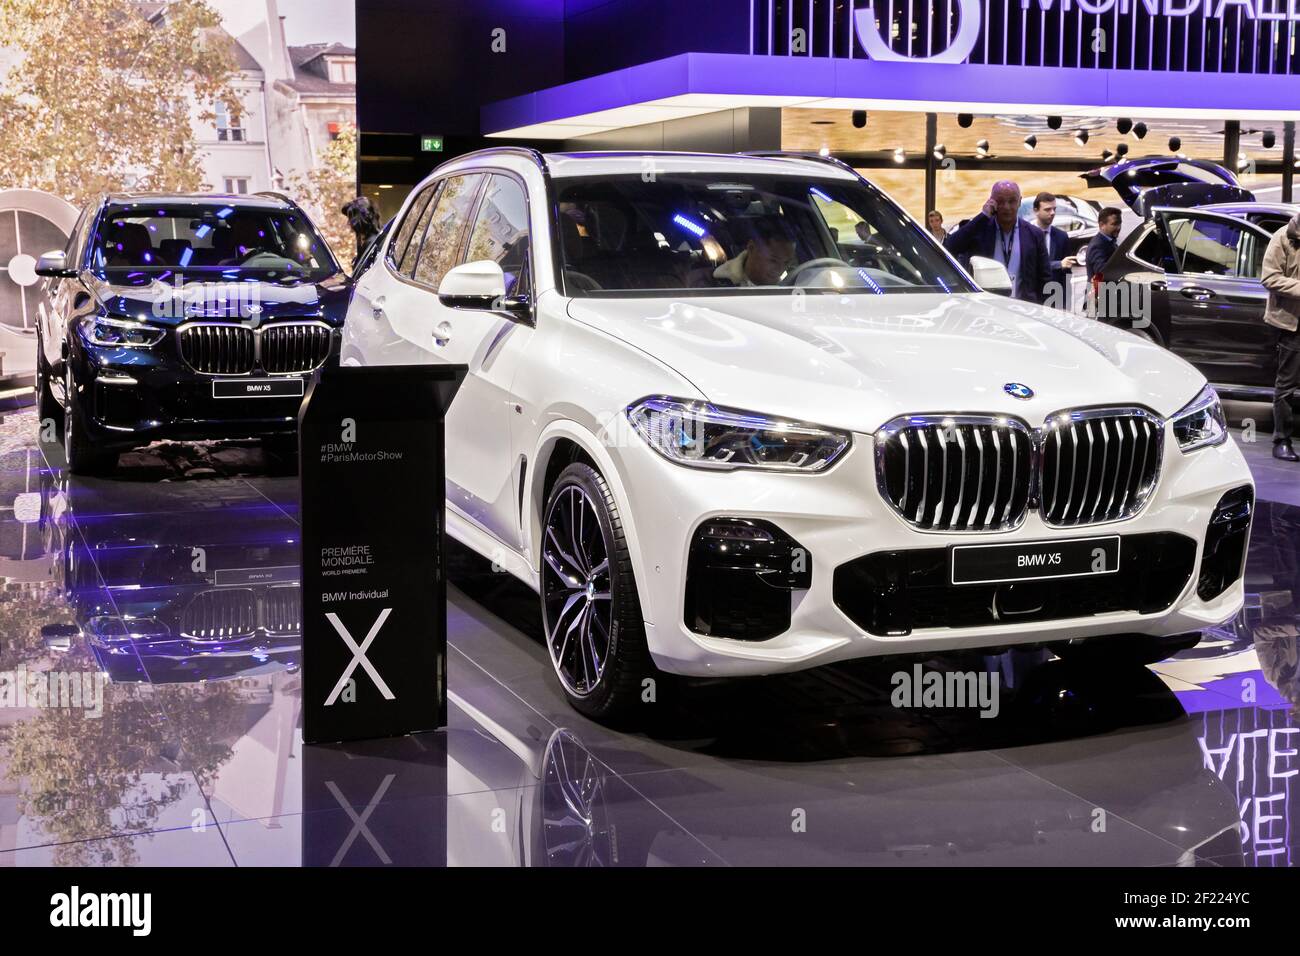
x: 964, y: 120
x: 1121, y: 149
x: 1124, y: 125
x: 1139, y: 130
x: 1107, y: 156
x: 1081, y: 137
x: 1031, y: 141
x: 982, y: 148
x: 1053, y: 122
x: 1269, y: 139
x: 940, y: 152
x: 900, y: 154
x: 824, y: 151
x: 1175, y: 144
x: 859, y: 119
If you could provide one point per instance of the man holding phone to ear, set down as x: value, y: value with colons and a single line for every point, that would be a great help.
x: 1000, y: 234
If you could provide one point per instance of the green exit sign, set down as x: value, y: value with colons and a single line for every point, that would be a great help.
x: 431, y: 144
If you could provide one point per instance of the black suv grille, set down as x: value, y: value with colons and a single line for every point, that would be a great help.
x: 218, y: 349
x: 293, y: 348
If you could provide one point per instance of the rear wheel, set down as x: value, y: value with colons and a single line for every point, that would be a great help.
x: 84, y: 457
x: 1125, y: 650
x: 592, y: 614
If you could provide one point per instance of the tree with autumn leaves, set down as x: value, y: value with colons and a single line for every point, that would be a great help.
x: 98, y: 91
x: 323, y: 191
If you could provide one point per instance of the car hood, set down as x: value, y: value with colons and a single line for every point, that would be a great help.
x: 168, y: 303
x: 854, y: 362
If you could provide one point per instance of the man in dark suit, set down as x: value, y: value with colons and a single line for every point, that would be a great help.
x: 1102, y: 246
x: 1057, y: 292
x: 999, y: 233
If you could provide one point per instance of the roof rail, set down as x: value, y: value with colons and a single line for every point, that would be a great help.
x: 271, y: 193
x: 526, y: 152
x: 795, y: 154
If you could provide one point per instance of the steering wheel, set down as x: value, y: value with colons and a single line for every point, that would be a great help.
x: 826, y: 262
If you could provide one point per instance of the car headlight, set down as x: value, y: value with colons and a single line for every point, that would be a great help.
x: 123, y: 333
x: 1200, y: 423
x: 705, y: 436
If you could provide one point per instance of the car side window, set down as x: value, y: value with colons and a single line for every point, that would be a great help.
x: 446, y: 229
x: 1153, y: 250
x: 1205, y: 246
x: 414, y: 213
x: 501, y: 233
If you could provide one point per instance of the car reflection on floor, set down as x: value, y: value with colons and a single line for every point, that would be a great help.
x: 182, y: 589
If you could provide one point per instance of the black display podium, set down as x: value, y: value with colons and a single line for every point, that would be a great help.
x: 374, y: 598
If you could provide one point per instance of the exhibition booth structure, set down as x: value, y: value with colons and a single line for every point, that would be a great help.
x: 935, y: 100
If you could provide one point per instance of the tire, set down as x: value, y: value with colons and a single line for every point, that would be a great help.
x: 47, y: 406
x: 1125, y: 650
x: 589, y: 599
x: 79, y: 449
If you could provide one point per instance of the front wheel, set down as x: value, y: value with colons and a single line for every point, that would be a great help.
x: 590, y: 608
x: 49, y: 411
x: 84, y: 457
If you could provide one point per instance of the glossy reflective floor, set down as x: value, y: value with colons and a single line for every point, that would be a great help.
x: 193, y: 755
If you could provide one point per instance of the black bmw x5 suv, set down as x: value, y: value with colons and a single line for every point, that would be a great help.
x: 183, y: 317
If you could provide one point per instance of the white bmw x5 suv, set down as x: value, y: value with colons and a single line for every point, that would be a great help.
x: 739, y: 414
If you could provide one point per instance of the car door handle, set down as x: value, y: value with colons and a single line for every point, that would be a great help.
x: 377, y: 307
x: 442, y: 334
x: 1199, y: 293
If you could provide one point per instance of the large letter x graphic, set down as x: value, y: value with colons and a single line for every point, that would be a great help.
x: 359, y: 656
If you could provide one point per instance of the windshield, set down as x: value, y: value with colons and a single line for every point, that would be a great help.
x: 151, y: 240
x: 714, y: 234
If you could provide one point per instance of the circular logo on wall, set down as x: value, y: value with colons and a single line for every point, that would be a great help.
x: 31, y: 223
x: 1016, y: 390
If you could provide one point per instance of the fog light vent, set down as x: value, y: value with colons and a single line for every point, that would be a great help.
x: 1224, y: 558
x: 739, y: 579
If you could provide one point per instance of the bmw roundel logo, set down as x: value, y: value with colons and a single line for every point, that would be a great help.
x: 1016, y: 390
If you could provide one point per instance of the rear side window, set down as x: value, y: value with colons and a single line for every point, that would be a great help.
x: 402, y: 240
x: 446, y: 229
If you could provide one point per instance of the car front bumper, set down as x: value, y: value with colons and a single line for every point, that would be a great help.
x: 839, y: 517
x: 134, y: 396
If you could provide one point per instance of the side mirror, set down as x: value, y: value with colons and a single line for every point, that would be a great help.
x: 990, y: 275
x: 53, y: 265
x: 480, y: 285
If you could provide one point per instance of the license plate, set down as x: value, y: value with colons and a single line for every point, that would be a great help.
x: 257, y: 388
x: 1034, y: 560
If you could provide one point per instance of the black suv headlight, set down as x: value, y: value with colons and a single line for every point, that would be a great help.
x: 705, y: 436
x: 124, y: 333
x: 1200, y: 423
